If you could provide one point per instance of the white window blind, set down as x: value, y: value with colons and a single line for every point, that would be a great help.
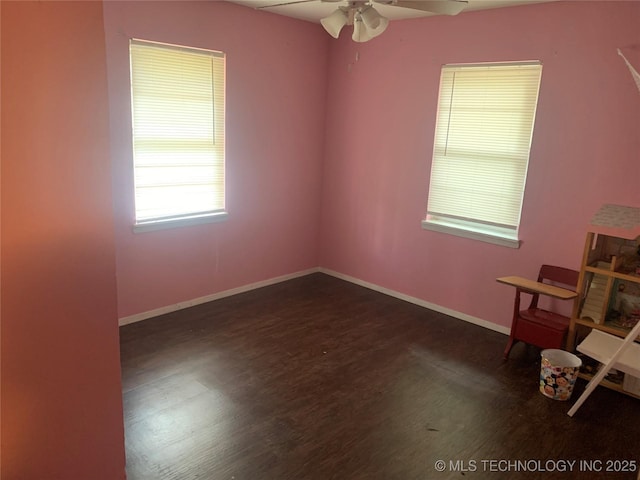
x: 483, y: 134
x: 178, y: 131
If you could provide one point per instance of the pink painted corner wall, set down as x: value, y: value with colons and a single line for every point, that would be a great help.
x: 380, y: 123
x: 61, y: 391
x: 275, y: 104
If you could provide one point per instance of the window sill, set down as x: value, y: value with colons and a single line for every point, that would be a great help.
x: 487, y: 234
x: 153, y: 225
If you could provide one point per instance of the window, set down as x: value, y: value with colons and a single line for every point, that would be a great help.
x: 481, y: 149
x: 177, y: 97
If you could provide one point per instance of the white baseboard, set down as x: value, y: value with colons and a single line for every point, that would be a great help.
x: 272, y: 281
x: 417, y: 301
x: 214, y: 296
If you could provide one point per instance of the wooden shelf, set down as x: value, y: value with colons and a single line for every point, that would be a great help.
x: 603, y: 258
x: 609, y: 384
x: 614, y: 274
x: 605, y: 327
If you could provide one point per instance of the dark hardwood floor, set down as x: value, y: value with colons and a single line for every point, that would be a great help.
x: 316, y: 378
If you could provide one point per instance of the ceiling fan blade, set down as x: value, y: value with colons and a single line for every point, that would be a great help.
x: 295, y: 2
x: 440, y: 7
x: 282, y: 4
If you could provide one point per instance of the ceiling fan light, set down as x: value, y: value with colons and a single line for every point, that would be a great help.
x: 334, y: 22
x: 384, y: 23
x: 372, y: 19
x: 360, y: 31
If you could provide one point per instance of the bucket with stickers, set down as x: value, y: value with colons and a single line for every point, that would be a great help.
x: 558, y: 373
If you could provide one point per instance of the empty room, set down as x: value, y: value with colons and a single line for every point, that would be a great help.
x: 246, y: 240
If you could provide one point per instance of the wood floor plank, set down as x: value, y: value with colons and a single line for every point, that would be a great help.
x: 316, y: 378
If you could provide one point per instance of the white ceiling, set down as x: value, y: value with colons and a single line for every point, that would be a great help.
x: 314, y: 10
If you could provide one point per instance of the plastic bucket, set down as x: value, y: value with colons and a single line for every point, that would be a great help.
x: 558, y: 373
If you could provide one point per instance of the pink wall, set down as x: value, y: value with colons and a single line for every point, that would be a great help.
x: 276, y: 86
x: 61, y: 393
x: 379, y: 140
x: 59, y: 341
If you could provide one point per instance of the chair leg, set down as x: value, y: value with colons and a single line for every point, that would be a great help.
x: 508, y: 349
x: 591, y: 386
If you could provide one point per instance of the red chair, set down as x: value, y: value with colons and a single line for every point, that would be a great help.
x: 537, y: 326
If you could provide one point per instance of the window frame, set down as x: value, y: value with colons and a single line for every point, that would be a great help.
x: 451, y: 221
x: 216, y: 163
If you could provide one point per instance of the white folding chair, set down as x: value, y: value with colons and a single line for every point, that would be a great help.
x: 623, y: 354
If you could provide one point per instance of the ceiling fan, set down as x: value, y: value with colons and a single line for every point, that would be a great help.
x: 367, y: 22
